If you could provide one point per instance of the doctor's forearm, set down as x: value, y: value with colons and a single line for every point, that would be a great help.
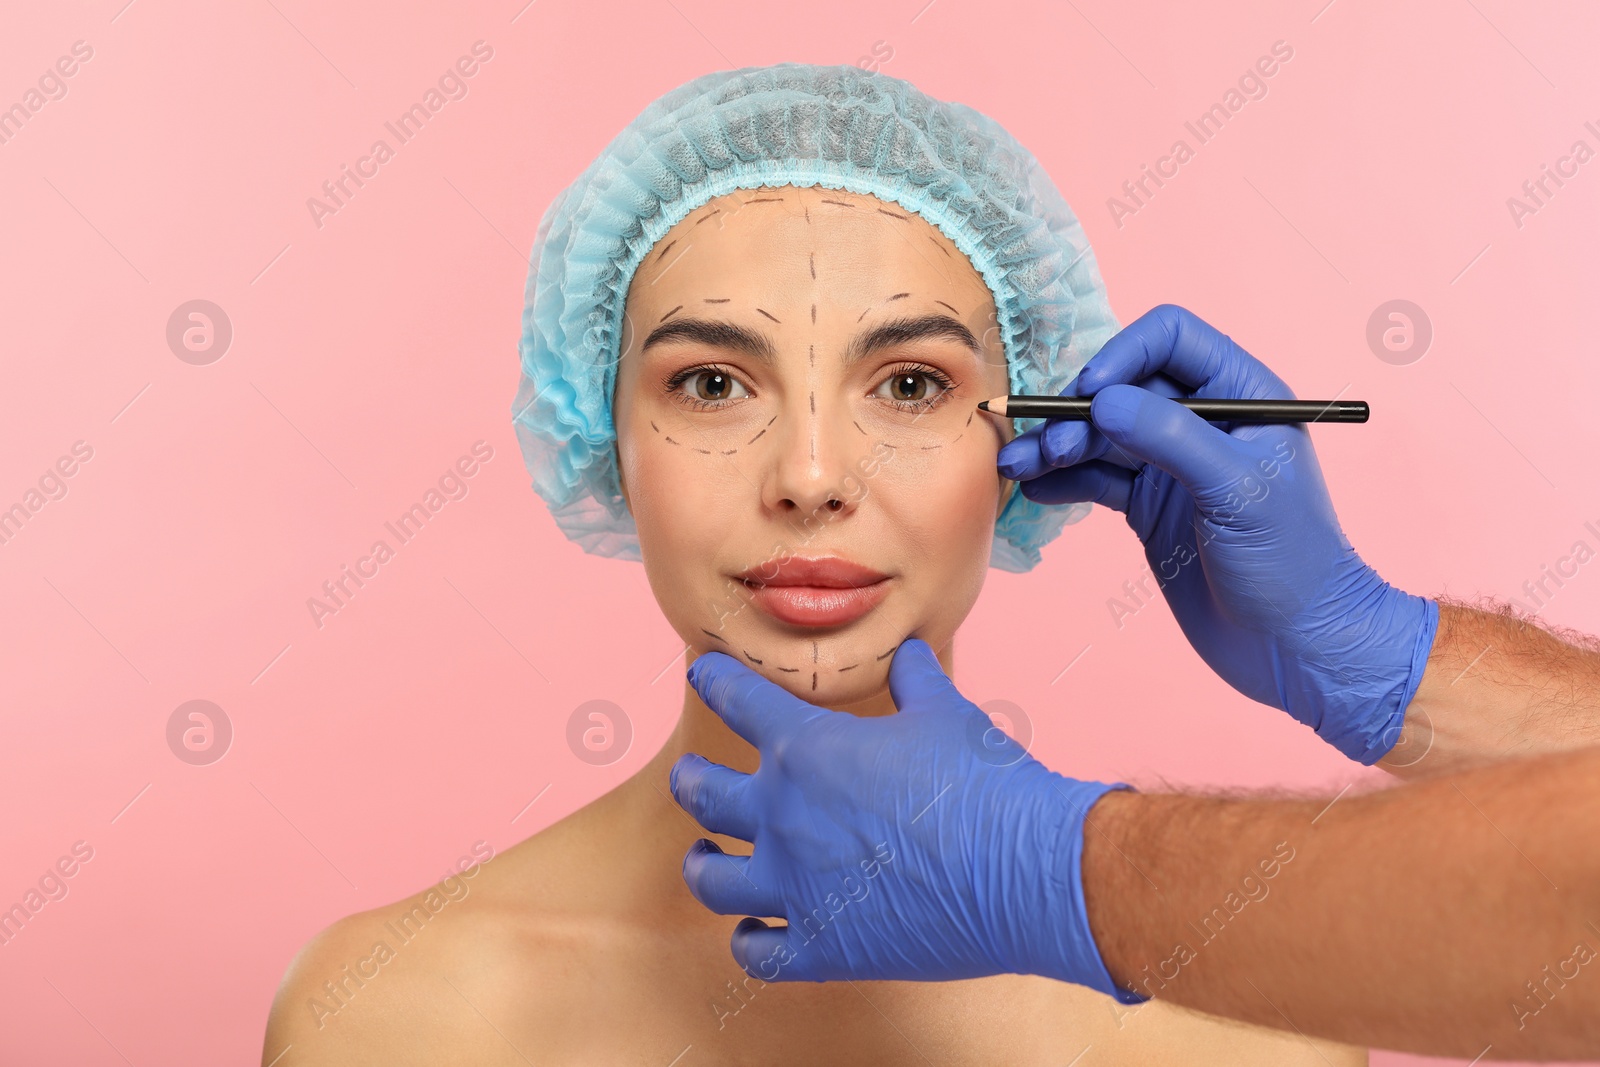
x: 1437, y: 917
x: 1496, y: 687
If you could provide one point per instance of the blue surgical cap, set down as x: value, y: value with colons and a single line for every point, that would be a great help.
x: 790, y: 124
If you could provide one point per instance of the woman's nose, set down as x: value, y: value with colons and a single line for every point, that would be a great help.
x: 812, y: 463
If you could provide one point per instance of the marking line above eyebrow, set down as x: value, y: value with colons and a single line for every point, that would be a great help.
x: 759, y: 347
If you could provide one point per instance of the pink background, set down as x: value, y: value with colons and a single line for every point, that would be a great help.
x: 370, y: 353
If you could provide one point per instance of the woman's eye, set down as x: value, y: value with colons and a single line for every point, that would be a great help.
x: 914, y: 388
x: 709, y: 387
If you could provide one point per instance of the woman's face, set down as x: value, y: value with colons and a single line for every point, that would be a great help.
x: 798, y: 433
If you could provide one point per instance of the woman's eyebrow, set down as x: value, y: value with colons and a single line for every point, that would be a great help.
x: 758, y: 346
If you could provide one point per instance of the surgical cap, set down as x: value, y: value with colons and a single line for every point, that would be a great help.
x: 790, y: 124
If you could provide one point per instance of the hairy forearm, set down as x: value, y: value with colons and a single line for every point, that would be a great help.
x: 1498, y: 685
x: 1439, y: 917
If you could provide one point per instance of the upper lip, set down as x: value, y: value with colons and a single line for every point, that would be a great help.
x: 828, y: 572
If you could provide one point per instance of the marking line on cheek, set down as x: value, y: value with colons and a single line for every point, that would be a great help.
x: 811, y: 350
x: 969, y: 418
x: 813, y: 652
x: 889, y: 653
x: 790, y: 670
x: 813, y: 681
x: 852, y: 667
x: 813, y: 266
x: 749, y: 657
x: 670, y: 441
x: 711, y: 635
x: 707, y: 451
x: 654, y: 427
x: 857, y: 425
x: 813, y: 314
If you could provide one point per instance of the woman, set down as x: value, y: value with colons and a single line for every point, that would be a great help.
x: 756, y: 333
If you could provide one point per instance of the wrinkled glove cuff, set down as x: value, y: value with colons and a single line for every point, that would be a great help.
x: 1070, y: 954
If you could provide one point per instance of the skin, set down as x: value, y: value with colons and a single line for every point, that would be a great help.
x: 1450, y: 916
x: 582, y: 943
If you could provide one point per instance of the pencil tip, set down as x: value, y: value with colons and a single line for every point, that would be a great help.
x: 983, y: 405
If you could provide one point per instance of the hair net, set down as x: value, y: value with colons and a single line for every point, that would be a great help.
x: 790, y: 124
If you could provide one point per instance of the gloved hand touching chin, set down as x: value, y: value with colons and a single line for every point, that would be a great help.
x: 1238, y: 529
x: 924, y: 845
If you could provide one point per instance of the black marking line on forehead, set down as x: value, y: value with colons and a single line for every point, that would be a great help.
x: 664, y: 251
x: 703, y: 218
x: 813, y: 314
x: 811, y: 354
x: 841, y: 203
x: 671, y: 313
x: 766, y: 200
x: 958, y: 314
x: 774, y: 318
x: 718, y: 300
x: 813, y: 265
x: 939, y: 246
x: 897, y: 296
x: 892, y: 214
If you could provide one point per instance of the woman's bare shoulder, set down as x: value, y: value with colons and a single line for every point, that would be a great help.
x: 432, y: 973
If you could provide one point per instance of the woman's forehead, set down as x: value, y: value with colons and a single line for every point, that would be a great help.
x: 776, y: 241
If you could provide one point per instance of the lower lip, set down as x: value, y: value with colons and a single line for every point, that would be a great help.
x: 812, y: 605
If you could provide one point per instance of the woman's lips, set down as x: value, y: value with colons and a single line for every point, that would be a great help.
x: 815, y: 605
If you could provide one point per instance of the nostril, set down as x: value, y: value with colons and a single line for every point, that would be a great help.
x: 834, y: 504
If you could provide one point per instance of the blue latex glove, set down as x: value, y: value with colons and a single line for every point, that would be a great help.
x: 1238, y: 529
x: 925, y: 845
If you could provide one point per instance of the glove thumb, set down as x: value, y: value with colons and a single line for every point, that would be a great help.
x: 1205, y: 460
x: 917, y: 681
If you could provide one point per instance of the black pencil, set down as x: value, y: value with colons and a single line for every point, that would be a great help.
x: 1213, y: 410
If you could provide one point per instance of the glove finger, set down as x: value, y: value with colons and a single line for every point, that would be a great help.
x: 722, y: 882
x: 764, y: 952
x: 1177, y: 342
x: 1101, y: 483
x: 917, y: 681
x: 757, y: 710
x: 1064, y: 443
x: 715, y: 795
x: 1204, y: 459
